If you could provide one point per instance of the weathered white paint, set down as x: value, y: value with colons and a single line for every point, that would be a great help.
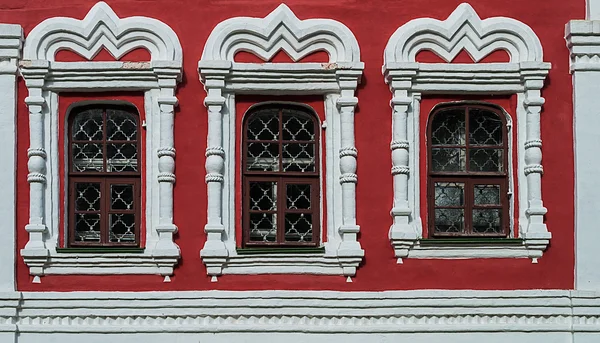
x: 583, y: 40
x: 298, y: 316
x: 524, y: 75
x: 46, y: 78
x: 336, y: 81
x: 11, y: 38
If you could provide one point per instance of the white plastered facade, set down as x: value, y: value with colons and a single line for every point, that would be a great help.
x: 336, y: 81
x: 45, y: 78
x: 408, y: 80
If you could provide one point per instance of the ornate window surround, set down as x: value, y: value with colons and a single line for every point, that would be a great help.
x: 45, y: 78
x: 337, y: 80
x: 524, y: 76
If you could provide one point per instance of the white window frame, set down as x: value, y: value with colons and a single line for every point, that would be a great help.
x: 523, y: 75
x: 337, y: 81
x: 45, y: 78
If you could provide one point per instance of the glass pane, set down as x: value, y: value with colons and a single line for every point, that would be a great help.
x: 264, y: 125
x: 449, y: 194
x: 87, y: 126
x: 263, y: 227
x: 299, y: 157
x: 87, y: 227
x: 297, y: 126
x: 121, y: 197
x: 122, y: 157
x: 486, y: 221
x: 262, y: 157
x: 263, y: 196
x: 448, y: 159
x: 298, y: 227
x: 298, y: 196
x: 486, y: 160
x: 449, y: 220
x: 485, y: 128
x: 122, y: 228
x: 486, y: 194
x: 87, y: 157
x: 87, y: 196
x: 448, y: 127
x: 120, y: 126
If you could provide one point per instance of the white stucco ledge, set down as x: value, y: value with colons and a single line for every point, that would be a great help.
x: 583, y: 41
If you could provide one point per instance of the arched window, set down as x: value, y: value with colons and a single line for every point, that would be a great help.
x: 468, y: 179
x: 104, y: 176
x: 281, y: 176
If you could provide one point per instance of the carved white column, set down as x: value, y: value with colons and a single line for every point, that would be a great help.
x: 35, y: 251
x: 12, y: 38
x: 214, y: 253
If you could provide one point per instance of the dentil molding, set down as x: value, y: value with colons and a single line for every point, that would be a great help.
x: 336, y: 80
x: 45, y: 78
x: 408, y: 80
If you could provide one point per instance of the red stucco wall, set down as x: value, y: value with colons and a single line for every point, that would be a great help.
x: 372, y: 22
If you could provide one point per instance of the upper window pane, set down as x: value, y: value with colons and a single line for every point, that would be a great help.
x: 448, y: 127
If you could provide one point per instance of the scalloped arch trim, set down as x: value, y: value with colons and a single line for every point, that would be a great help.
x: 102, y: 28
x: 464, y: 30
x: 281, y: 30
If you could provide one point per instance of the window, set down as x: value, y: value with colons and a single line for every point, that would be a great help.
x: 468, y: 159
x: 104, y: 177
x: 281, y: 177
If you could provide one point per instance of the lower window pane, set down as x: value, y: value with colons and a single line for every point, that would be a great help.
x: 486, y: 160
x: 298, y: 227
x: 122, y: 228
x: 263, y: 227
x: 449, y: 220
x: 87, y: 227
x: 448, y: 159
x: 486, y: 221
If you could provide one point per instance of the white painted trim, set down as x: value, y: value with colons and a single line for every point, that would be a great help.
x: 11, y: 38
x: 490, y: 316
x: 583, y: 41
x: 46, y: 78
x: 337, y: 81
x: 524, y: 75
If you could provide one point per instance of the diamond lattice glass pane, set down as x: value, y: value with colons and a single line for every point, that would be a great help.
x: 297, y: 126
x: 448, y: 159
x: 262, y: 157
x: 121, y: 197
x: 486, y: 221
x: 449, y: 220
x: 298, y: 196
x: 263, y: 196
x: 122, y: 157
x: 264, y: 125
x: 87, y: 227
x: 299, y: 157
x: 449, y: 194
x: 87, y: 126
x: 87, y: 196
x: 486, y: 194
x: 485, y: 128
x: 87, y: 157
x: 486, y: 160
x: 448, y: 127
x: 122, y: 227
x: 263, y: 227
x: 298, y: 227
x: 120, y: 126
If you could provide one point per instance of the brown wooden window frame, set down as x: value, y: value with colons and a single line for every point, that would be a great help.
x: 469, y: 178
x: 283, y: 178
x: 105, y: 179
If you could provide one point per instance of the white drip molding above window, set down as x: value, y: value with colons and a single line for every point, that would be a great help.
x: 45, y: 78
x: 408, y: 80
x: 336, y: 81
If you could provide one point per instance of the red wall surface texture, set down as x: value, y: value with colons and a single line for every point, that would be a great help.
x: 372, y: 22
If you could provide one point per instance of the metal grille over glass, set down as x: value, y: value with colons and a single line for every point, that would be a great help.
x: 104, y: 178
x: 281, y: 178
x: 468, y: 179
